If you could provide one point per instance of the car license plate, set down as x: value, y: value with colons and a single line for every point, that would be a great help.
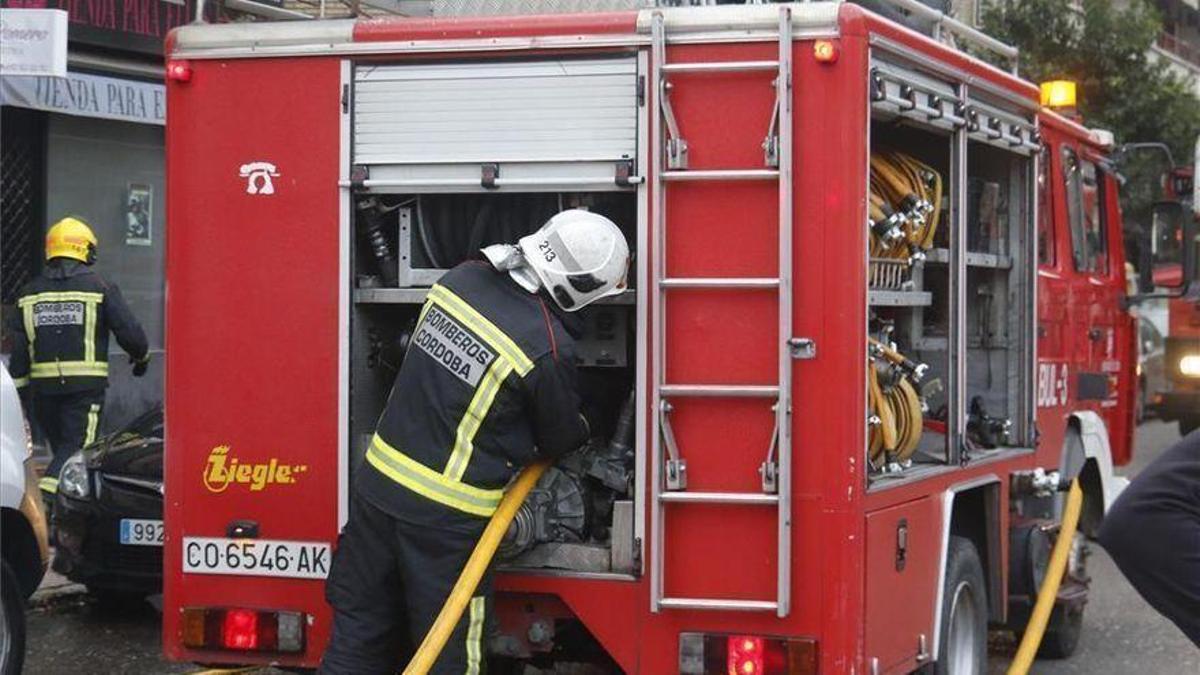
x: 256, y: 557
x: 135, y: 532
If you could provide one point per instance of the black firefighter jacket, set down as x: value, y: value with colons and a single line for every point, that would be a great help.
x: 60, y: 330
x: 487, y: 386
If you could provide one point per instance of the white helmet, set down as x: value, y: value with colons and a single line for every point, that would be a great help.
x: 579, y: 257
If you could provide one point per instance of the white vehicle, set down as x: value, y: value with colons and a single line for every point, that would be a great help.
x: 24, y: 548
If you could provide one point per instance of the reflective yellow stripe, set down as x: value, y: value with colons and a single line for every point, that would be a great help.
x: 21, y: 381
x: 69, y: 369
x: 58, y: 296
x: 48, y: 484
x: 464, y: 438
x: 93, y: 422
x: 429, y: 483
x: 89, y: 330
x: 459, y: 309
x: 474, y: 633
x: 27, y: 311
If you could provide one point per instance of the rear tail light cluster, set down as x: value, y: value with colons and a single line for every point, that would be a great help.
x: 723, y: 654
x: 245, y: 630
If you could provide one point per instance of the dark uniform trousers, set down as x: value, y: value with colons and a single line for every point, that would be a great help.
x: 488, y: 385
x: 1152, y: 532
x: 70, y: 422
x: 381, y: 559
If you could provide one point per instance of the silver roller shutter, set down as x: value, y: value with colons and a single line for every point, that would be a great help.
x: 436, y: 125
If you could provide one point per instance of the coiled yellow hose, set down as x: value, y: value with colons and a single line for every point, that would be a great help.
x: 1049, y: 591
x: 468, y: 580
x: 902, y: 184
x: 898, y: 409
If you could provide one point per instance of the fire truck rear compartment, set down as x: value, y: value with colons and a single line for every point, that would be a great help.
x: 449, y: 156
x: 580, y: 505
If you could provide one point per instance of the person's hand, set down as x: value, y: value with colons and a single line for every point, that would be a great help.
x: 140, y: 366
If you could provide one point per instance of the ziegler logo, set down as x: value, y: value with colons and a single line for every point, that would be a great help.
x: 222, y: 470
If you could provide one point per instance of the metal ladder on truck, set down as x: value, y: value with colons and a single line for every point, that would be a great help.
x: 669, y: 473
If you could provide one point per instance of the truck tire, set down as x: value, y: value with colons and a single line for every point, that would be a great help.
x: 12, y: 623
x: 963, y: 630
x: 1062, y: 633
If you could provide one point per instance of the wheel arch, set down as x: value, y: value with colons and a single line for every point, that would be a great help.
x: 1099, y: 481
x: 973, y: 509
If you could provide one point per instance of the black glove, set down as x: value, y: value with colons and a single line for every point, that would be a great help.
x: 140, y: 365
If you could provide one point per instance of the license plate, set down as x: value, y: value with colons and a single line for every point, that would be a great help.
x: 256, y: 557
x: 135, y: 532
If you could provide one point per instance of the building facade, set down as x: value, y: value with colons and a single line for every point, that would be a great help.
x: 91, y: 145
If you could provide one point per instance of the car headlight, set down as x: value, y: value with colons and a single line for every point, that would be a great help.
x: 1190, y: 365
x: 73, y: 479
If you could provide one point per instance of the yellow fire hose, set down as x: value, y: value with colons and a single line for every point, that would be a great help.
x: 460, y: 595
x: 1049, y: 591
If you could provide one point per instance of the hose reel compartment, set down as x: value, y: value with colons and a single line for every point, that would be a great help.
x: 959, y: 302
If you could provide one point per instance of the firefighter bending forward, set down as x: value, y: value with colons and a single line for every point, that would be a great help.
x: 488, y: 385
x: 60, y: 350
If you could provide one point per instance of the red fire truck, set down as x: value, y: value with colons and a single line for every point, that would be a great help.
x: 1181, y: 399
x: 876, y: 317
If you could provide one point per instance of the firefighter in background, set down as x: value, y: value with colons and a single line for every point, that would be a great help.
x: 488, y: 385
x: 60, y: 350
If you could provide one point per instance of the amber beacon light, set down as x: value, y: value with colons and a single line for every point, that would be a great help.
x: 1058, y: 94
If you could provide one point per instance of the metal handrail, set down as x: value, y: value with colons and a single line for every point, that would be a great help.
x: 969, y: 34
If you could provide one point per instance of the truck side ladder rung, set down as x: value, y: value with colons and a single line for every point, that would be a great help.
x: 719, y: 604
x: 720, y: 174
x: 668, y: 480
x: 720, y: 390
x: 720, y: 66
x: 719, y: 282
x: 747, y: 498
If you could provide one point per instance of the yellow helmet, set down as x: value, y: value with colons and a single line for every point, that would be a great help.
x: 71, y: 238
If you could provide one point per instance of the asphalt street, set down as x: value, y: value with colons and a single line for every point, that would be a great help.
x: 1122, y: 635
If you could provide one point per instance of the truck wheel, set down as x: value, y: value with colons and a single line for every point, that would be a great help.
x: 12, y: 623
x: 1188, y: 424
x: 1062, y: 633
x: 963, y: 648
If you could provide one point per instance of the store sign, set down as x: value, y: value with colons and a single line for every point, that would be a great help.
x: 33, y: 42
x: 128, y: 25
x: 88, y: 96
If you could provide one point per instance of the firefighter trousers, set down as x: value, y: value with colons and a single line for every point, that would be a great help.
x: 69, y: 421
x: 388, y: 582
x: 1152, y: 532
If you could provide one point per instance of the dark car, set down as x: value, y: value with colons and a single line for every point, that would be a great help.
x: 108, y: 512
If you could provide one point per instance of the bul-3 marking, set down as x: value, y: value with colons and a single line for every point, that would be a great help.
x: 58, y: 314
x: 452, y: 346
x: 223, y: 470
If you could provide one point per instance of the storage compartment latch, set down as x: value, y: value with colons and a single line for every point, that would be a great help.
x: 624, y: 173
x: 488, y: 173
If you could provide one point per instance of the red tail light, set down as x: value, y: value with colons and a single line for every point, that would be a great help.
x: 243, y: 629
x: 240, y: 629
x: 721, y: 654
x: 745, y: 655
